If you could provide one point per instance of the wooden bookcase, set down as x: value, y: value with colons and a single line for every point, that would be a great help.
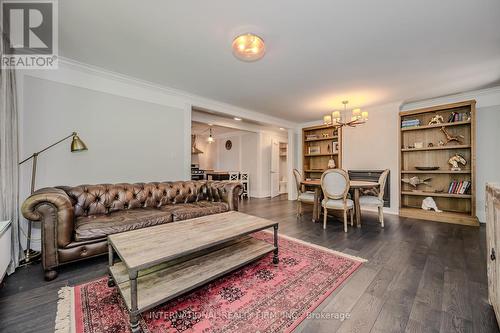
x: 457, y: 208
x: 321, y: 138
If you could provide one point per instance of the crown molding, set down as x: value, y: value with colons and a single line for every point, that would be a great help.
x: 484, y: 97
x: 182, y: 96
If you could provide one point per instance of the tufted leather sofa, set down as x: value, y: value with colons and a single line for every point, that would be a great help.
x: 76, y: 220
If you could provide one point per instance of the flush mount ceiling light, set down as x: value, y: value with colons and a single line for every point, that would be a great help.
x: 248, y: 47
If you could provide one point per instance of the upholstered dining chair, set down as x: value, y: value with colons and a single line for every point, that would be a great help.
x: 376, y: 200
x: 302, y: 195
x: 335, y: 186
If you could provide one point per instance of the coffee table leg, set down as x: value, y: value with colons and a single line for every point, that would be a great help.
x: 111, y: 282
x: 276, y: 260
x: 134, y: 313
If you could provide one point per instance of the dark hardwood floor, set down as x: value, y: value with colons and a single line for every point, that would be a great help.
x: 420, y: 277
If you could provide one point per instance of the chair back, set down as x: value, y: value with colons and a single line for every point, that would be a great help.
x: 234, y: 175
x: 335, y: 184
x: 298, y: 179
x: 382, y: 181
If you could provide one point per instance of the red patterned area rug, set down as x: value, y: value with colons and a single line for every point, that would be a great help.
x: 259, y: 297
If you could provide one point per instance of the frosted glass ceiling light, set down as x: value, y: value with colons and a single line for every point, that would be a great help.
x: 248, y: 47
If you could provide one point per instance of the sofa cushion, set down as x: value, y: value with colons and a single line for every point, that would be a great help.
x: 99, y: 226
x: 196, y: 209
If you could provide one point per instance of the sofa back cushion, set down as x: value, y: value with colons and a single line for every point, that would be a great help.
x: 107, y: 198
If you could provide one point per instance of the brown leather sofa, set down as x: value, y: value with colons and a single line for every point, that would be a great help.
x: 76, y: 220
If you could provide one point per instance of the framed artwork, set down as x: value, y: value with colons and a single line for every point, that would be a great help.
x: 335, y: 147
x: 229, y: 145
x: 314, y: 150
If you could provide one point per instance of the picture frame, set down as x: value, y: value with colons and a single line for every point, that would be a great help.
x: 335, y: 147
x: 314, y: 150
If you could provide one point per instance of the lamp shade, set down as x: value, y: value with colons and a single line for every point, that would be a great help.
x: 77, y: 144
x: 327, y: 120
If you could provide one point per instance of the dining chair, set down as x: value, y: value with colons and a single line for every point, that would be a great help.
x: 234, y: 175
x: 377, y: 200
x: 245, y: 180
x: 302, y: 195
x: 335, y: 186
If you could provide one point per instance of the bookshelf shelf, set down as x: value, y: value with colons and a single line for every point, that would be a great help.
x: 322, y: 139
x: 416, y: 128
x: 437, y: 148
x: 316, y: 152
x: 435, y: 194
x: 315, y: 155
x: 457, y: 208
x: 436, y: 172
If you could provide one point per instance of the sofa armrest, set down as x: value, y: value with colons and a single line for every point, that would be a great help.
x: 53, y: 208
x: 226, y: 191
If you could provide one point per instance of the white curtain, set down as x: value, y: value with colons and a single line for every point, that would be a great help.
x: 9, y: 181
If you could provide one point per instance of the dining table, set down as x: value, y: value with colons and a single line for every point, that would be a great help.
x: 355, y: 185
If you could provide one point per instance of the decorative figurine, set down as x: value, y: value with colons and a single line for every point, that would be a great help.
x: 437, y: 119
x: 450, y: 138
x: 331, y: 163
x: 415, y: 181
x: 430, y: 145
x: 455, y: 160
x: 441, y: 143
x: 429, y: 204
x: 419, y: 145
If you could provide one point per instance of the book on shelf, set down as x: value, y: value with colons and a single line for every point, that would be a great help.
x: 458, y: 117
x: 410, y: 123
x: 459, y: 187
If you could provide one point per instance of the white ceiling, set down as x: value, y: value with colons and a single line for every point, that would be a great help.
x: 319, y: 52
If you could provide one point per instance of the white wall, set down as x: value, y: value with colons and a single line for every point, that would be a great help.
x: 375, y: 146
x: 128, y: 140
x: 488, y: 154
x: 249, y: 149
x: 251, y: 152
x: 229, y: 160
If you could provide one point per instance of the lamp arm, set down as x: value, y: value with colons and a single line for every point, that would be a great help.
x: 46, y: 148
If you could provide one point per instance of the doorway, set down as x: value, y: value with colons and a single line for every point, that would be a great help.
x: 279, y: 175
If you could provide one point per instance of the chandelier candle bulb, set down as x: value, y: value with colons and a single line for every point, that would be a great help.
x: 364, y: 115
x: 327, y: 120
x: 356, y: 114
x: 336, y: 115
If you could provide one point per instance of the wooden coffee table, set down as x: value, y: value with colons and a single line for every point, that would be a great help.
x: 162, y: 262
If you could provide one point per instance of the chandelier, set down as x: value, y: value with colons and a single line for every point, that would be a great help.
x: 340, y: 118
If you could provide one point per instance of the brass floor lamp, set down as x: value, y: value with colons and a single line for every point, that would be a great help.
x: 77, y: 145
